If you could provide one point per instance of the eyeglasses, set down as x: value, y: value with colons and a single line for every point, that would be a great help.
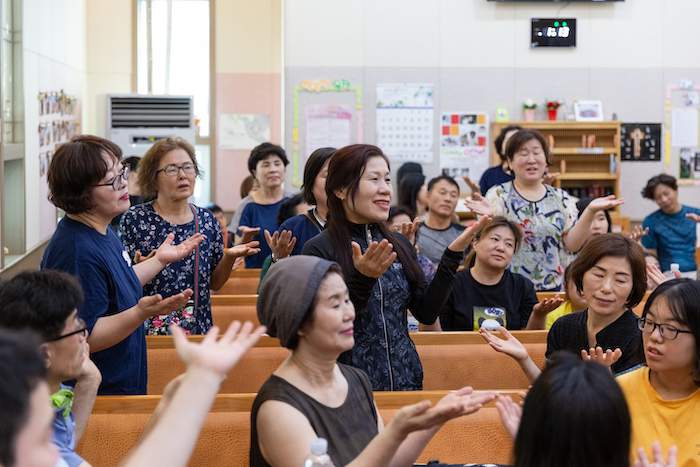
x: 83, y: 330
x: 666, y: 330
x: 172, y: 170
x: 116, y: 182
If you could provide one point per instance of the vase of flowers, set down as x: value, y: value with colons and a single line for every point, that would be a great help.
x: 529, y: 107
x: 552, y: 107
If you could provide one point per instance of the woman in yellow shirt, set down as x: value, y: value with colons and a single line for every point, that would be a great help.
x: 573, y: 300
x: 663, y: 396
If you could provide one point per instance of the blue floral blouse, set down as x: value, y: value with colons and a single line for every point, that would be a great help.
x: 542, y: 256
x: 142, y: 229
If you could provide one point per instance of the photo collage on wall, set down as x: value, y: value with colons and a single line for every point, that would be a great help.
x: 464, y: 144
x: 58, y: 123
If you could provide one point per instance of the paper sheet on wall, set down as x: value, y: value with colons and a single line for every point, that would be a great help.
x: 405, y: 115
x: 243, y: 131
x: 464, y: 144
x: 327, y: 126
x: 684, y: 127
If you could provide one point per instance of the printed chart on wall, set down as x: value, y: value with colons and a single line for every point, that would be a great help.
x: 405, y: 121
x: 464, y: 145
x: 243, y: 131
x: 327, y: 126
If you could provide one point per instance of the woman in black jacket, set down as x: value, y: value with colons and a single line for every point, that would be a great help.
x: 381, y: 268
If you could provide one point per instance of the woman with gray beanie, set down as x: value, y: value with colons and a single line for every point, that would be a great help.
x: 305, y: 303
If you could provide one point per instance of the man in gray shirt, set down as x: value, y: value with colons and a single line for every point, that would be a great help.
x: 438, y: 231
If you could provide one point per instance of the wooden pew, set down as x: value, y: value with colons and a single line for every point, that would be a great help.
x: 227, y: 308
x: 450, y: 360
x: 117, y: 421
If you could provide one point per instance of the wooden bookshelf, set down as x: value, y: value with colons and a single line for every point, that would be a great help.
x: 582, y: 168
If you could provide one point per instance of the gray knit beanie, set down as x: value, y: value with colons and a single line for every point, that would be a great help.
x: 287, y: 292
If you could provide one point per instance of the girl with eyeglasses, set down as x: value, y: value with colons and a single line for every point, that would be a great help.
x: 168, y: 172
x: 663, y: 396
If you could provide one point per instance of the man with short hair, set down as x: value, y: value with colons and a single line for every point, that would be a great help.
x: 438, y: 231
x: 46, y: 303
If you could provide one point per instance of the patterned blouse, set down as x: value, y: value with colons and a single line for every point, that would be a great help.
x: 142, y: 229
x: 542, y: 256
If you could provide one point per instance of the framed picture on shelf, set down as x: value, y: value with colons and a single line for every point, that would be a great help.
x: 588, y: 111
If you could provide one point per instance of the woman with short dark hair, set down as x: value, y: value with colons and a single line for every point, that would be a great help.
x: 168, y: 172
x: 88, y: 182
x: 552, y: 230
x: 673, y: 228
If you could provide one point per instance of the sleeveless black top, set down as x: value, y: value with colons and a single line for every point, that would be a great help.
x: 348, y: 428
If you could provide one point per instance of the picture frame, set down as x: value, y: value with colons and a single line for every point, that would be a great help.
x: 588, y: 111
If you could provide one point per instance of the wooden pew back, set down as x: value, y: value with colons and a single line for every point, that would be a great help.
x: 116, y: 423
x: 450, y: 361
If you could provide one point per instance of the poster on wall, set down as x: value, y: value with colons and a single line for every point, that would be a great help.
x: 327, y: 126
x: 405, y: 121
x: 243, y: 131
x: 689, y: 164
x: 640, y: 142
x: 464, y: 145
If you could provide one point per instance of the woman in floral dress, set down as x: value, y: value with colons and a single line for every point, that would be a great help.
x: 168, y: 172
x: 552, y: 230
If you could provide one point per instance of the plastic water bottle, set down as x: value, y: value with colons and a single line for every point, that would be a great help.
x: 319, y: 454
x: 413, y: 324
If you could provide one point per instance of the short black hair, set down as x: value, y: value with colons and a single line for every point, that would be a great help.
x: 523, y: 136
x: 288, y: 208
x: 132, y: 162
x: 22, y: 368
x: 40, y: 301
x: 498, y: 142
x: 262, y: 151
x: 311, y: 170
x: 447, y: 178
x: 408, y: 168
x: 409, y: 187
x: 399, y: 210
x: 215, y: 208
x: 661, y: 179
x: 683, y: 300
x: 575, y: 415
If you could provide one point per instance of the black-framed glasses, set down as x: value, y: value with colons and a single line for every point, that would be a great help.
x: 83, y: 330
x: 172, y: 170
x: 666, y: 330
x: 116, y: 182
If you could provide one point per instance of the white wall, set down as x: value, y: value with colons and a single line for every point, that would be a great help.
x: 478, y: 55
x: 54, y: 59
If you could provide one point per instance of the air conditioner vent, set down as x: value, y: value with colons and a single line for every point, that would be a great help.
x: 151, y: 112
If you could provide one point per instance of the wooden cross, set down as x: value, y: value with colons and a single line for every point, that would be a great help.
x: 637, y: 136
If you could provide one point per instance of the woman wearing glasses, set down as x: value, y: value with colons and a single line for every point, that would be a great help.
x: 168, y: 172
x: 663, y: 396
x: 88, y: 183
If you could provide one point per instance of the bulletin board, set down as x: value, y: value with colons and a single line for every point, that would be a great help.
x: 682, y: 133
x: 325, y: 113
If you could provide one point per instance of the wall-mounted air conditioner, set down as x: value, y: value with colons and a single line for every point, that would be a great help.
x: 136, y: 121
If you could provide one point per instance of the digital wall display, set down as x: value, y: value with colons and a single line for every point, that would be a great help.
x: 553, y: 32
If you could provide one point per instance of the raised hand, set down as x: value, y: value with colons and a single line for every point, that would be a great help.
x: 465, y: 238
x: 509, y: 345
x: 657, y: 277
x: 138, y: 258
x: 479, y: 205
x: 510, y: 414
x: 409, y: 230
x: 637, y: 233
x: 376, y: 260
x: 603, y: 203
x: 606, y: 358
x: 281, y: 244
x: 547, y: 305
x: 217, y: 356
x: 471, y: 184
x: 168, y: 253
x: 247, y: 233
x: 155, y: 305
x: 548, y: 178
x: 693, y: 216
x: 643, y: 461
x: 243, y: 250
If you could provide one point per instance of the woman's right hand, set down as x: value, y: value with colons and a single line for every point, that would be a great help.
x: 479, y: 205
x: 376, y: 260
x: 156, y: 305
x: 247, y: 233
x: 281, y: 244
x: 643, y: 461
x: 510, y: 414
x: 606, y: 358
x: 509, y: 345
